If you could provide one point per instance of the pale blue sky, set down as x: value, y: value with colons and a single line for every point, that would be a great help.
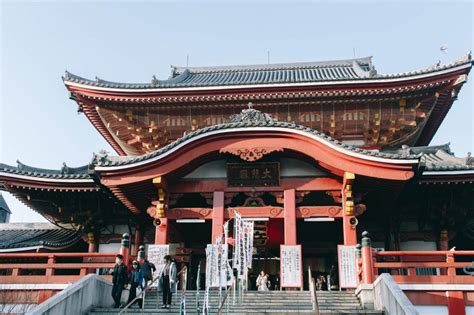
x: 131, y: 41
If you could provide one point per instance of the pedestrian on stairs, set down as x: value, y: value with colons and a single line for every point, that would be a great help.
x: 148, y: 270
x: 137, y: 284
x: 119, y: 279
x: 168, y: 282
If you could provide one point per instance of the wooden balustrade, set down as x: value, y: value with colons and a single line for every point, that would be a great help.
x: 51, y: 268
x: 403, y: 266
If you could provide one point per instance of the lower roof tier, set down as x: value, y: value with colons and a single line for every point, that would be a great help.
x: 111, y: 187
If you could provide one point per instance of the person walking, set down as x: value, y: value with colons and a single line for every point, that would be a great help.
x: 263, y: 283
x: 137, y: 284
x: 119, y: 279
x: 148, y: 269
x: 168, y: 282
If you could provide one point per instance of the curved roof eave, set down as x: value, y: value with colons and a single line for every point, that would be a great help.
x: 373, y: 156
x: 78, y: 82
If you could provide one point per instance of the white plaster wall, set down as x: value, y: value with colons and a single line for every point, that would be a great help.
x: 469, y: 310
x: 109, y: 248
x: 417, y: 245
x: 432, y: 309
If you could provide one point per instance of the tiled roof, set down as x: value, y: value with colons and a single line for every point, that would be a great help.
x: 27, y: 236
x: 250, y: 118
x: 305, y: 72
x: 64, y: 173
x: 439, y: 158
x: 4, y: 205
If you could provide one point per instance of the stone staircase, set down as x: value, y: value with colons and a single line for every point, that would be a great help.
x: 273, y: 302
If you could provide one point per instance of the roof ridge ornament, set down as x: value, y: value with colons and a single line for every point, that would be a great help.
x: 251, y: 115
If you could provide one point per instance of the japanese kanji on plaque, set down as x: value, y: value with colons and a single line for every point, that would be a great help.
x: 253, y: 174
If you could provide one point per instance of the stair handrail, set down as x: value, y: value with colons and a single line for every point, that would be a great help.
x: 184, y: 284
x: 312, y: 290
x: 146, y: 288
x: 229, y: 290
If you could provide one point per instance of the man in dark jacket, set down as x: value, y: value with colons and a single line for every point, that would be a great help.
x: 148, y: 269
x: 119, y: 279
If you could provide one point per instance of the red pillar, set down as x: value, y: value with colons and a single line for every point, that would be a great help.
x: 137, y: 242
x: 91, y: 249
x: 161, y: 232
x: 290, y: 216
x: 456, y: 304
x: 348, y: 229
x: 350, y: 232
x: 217, y: 215
x: 443, y: 244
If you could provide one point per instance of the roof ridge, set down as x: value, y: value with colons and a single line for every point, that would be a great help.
x: 275, y: 66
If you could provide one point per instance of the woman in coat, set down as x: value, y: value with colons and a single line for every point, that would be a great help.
x: 137, y: 283
x: 168, y: 281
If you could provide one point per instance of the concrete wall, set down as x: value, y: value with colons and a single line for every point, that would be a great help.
x: 79, y: 298
x: 385, y: 295
x: 389, y: 297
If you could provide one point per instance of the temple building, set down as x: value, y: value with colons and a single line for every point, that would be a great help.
x: 314, y: 153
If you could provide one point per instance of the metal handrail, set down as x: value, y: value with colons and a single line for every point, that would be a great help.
x: 184, y: 283
x: 228, y: 292
x: 312, y: 290
x: 147, y: 288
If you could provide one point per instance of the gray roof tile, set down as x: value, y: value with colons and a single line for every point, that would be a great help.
x: 304, y: 72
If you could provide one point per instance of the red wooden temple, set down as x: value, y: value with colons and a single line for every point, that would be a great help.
x: 314, y: 152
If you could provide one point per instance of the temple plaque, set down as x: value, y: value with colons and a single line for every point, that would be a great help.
x: 253, y: 174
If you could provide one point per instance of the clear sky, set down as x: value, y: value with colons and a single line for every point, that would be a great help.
x: 131, y: 41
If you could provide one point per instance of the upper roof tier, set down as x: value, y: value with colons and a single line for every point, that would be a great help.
x: 284, y: 73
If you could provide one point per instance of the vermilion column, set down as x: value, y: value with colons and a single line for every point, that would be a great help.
x: 217, y: 215
x: 456, y: 303
x: 290, y: 216
x: 138, y: 241
x: 161, y: 232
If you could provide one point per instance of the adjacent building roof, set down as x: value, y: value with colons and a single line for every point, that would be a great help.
x: 4, y: 205
x: 305, y: 72
x: 439, y: 158
x: 64, y: 173
x: 32, y: 236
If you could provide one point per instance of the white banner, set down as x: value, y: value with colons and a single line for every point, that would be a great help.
x: 216, y: 255
x: 248, y: 234
x: 156, y: 255
x: 347, y: 262
x: 291, y: 269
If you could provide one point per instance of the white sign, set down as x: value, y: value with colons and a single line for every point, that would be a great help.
x: 156, y: 255
x: 216, y: 256
x: 291, y: 269
x: 347, y: 266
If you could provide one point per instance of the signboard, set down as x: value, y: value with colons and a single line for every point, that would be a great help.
x: 291, y: 267
x: 156, y: 255
x: 216, y: 258
x: 253, y: 174
x: 347, y: 266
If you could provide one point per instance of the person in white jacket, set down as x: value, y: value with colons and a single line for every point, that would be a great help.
x: 263, y: 283
x: 168, y: 282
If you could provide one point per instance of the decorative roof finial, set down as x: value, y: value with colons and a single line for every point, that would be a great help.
x: 251, y: 115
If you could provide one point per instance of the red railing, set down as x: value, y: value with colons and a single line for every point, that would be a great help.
x: 51, y: 268
x: 405, y: 266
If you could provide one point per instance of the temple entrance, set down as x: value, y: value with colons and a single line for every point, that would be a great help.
x: 319, y: 238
